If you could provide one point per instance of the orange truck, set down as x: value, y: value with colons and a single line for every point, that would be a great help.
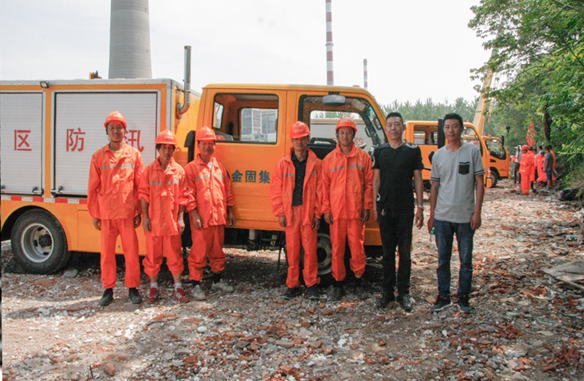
x: 51, y: 129
x: 427, y: 136
x: 500, y: 161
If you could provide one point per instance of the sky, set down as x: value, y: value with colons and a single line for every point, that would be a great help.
x: 416, y: 49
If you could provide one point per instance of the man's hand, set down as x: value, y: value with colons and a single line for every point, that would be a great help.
x: 419, y: 218
x: 137, y: 221
x: 196, y: 219
x: 430, y: 223
x: 475, y: 222
x: 147, y: 225
x: 231, y: 219
x: 365, y: 216
x: 282, y: 221
x: 97, y: 223
x: 328, y: 218
x: 181, y: 224
x: 315, y: 223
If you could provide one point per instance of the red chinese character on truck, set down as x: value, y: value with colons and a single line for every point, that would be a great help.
x: 20, y: 143
x: 74, y: 140
x: 134, y: 139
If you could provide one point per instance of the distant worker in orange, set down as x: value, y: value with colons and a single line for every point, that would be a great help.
x: 112, y: 201
x: 163, y: 193
x: 210, y: 206
x: 526, y: 169
x: 295, y: 196
x: 347, y: 199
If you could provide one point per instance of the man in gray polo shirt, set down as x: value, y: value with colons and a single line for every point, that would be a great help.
x: 457, y: 174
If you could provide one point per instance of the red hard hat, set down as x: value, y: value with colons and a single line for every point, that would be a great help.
x: 525, y: 147
x: 299, y: 129
x: 166, y: 137
x: 346, y: 122
x: 116, y: 116
x: 205, y: 133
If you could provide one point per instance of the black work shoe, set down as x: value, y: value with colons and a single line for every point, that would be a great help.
x: 107, y: 297
x: 388, y: 297
x: 134, y: 296
x: 441, y: 303
x: 337, y: 293
x: 463, y: 304
x: 313, y: 292
x: 360, y: 292
x: 405, y: 302
x: 291, y: 293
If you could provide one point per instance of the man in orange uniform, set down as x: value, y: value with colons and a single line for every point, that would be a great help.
x: 296, y: 202
x: 210, y: 204
x: 347, y: 198
x: 526, y: 169
x: 112, y: 198
x: 163, y: 191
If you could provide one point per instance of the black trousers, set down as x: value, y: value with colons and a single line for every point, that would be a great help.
x: 395, y: 228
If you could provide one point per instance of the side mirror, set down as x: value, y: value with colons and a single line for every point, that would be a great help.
x: 503, y: 140
x: 333, y: 100
x: 441, y: 136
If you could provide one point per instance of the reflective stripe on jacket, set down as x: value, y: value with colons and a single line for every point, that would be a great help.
x: 347, y: 183
x: 112, y: 191
x: 209, y: 191
x: 165, y: 191
x: 282, y: 188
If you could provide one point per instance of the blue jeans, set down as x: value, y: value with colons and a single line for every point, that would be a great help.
x: 444, y: 237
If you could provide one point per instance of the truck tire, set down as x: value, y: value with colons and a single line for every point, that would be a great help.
x: 39, y: 243
x: 494, y: 178
x: 324, y: 253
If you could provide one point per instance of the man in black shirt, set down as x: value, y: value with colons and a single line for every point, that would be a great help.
x: 394, y: 165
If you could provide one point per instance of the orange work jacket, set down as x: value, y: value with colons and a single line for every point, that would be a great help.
x: 347, y: 183
x: 112, y: 191
x: 209, y: 191
x: 165, y: 191
x: 527, y: 167
x: 282, y: 188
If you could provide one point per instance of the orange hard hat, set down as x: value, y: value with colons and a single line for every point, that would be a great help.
x: 116, y: 116
x: 166, y: 137
x: 205, y: 133
x: 346, y: 122
x: 525, y: 147
x: 299, y: 129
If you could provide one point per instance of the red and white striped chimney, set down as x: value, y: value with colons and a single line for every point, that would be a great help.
x: 329, y: 45
x: 365, y: 73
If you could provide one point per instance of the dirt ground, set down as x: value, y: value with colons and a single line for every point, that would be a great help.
x: 525, y: 325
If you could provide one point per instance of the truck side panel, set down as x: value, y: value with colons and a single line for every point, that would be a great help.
x: 21, y: 118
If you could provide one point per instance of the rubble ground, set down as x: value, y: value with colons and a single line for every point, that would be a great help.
x: 526, y: 325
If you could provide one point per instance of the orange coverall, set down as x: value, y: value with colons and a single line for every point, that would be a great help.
x: 165, y: 191
x: 347, y: 189
x: 299, y: 218
x: 210, y: 194
x: 112, y: 196
x: 527, y: 170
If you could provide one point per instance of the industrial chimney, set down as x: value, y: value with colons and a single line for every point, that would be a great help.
x: 329, y: 44
x: 365, y: 73
x: 130, y: 40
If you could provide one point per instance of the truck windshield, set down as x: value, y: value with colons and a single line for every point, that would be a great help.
x: 323, y: 119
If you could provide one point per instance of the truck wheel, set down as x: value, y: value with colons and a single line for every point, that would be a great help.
x: 39, y: 243
x: 324, y: 253
x: 494, y: 179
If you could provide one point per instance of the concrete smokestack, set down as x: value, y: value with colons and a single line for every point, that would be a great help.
x: 130, y: 40
x: 329, y: 44
x: 365, y: 73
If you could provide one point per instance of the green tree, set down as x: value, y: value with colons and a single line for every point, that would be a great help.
x: 429, y: 110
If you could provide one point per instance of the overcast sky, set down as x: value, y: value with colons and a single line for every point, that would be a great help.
x: 416, y: 49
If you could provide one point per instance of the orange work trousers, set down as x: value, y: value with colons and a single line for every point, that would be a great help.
x: 354, y: 231
x: 110, y: 230
x: 207, y: 243
x: 525, y: 183
x: 298, y: 234
x: 155, y: 245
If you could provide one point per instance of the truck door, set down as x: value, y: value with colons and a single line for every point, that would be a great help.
x: 79, y: 132
x: 249, y: 126
x: 22, y: 121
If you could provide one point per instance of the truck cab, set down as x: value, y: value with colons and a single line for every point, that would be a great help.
x: 500, y: 159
